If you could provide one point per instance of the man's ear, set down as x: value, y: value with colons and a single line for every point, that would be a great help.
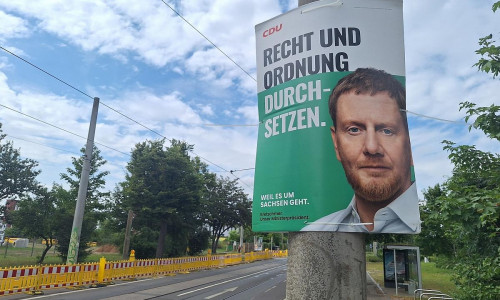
x: 335, y: 142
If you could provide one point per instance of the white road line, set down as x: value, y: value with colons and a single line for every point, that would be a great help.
x: 218, y: 294
x: 209, y: 286
x: 86, y: 289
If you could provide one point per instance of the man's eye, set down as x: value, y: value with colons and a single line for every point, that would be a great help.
x: 387, y: 131
x: 353, y: 130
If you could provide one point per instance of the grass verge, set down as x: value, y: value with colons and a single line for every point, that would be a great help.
x: 433, y: 278
x: 18, y: 257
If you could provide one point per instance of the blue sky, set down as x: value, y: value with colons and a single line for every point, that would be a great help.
x: 142, y: 59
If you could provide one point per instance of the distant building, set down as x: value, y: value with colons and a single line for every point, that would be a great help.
x: 2, y: 232
x: 10, y: 205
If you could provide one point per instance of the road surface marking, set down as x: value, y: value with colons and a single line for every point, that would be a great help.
x: 209, y: 286
x: 218, y: 294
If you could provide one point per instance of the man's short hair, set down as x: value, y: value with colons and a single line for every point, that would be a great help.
x: 372, y: 81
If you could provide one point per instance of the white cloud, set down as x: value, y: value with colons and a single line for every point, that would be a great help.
x: 12, y: 27
x: 250, y: 114
x: 156, y: 35
x: 440, y: 40
x: 155, y: 110
x: 206, y: 110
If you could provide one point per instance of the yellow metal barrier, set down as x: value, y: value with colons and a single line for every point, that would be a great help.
x: 15, y: 280
x: 37, y: 278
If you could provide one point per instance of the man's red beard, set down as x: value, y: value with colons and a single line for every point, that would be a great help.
x: 376, y: 188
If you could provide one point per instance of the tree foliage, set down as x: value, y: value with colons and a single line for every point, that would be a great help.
x: 487, y: 118
x: 95, y: 194
x: 17, y: 175
x: 469, y: 213
x: 490, y: 53
x: 434, y: 239
x: 162, y: 186
x: 461, y: 220
x: 225, y: 206
x: 36, y: 217
x: 94, y: 203
x: 198, y: 240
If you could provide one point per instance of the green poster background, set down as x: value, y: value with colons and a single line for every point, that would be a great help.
x: 297, y: 176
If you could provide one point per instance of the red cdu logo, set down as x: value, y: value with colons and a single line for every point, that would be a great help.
x: 272, y: 30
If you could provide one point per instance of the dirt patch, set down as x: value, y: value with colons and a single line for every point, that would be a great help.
x: 106, y: 249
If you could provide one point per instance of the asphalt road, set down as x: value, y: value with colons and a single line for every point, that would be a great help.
x: 262, y: 280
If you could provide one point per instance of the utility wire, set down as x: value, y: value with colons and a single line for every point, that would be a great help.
x: 71, y: 86
x: 231, y: 171
x: 231, y: 125
x: 206, y: 38
x: 76, y: 89
x: 161, y: 135
x: 60, y: 128
x: 18, y: 138
x: 56, y: 78
x: 137, y: 122
x: 428, y: 117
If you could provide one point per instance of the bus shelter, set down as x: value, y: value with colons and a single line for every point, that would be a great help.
x: 402, y: 267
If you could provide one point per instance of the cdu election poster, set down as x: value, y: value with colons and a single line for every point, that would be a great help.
x: 313, y: 175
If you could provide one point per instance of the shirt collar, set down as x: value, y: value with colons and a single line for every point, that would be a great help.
x: 404, y: 207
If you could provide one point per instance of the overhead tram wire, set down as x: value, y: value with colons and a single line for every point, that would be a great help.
x: 234, y: 62
x: 239, y: 170
x: 231, y: 125
x: 428, y: 117
x: 56, y: 78
x: 155, y: 132
x: 80, y: 91
x: 206, y: 38
x: 161, y: 135
x: 36, y: 143
x: 60, y: 128
x: 138, y: 123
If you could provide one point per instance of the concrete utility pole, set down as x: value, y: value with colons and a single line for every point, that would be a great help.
x: 126, y: 241
x: 242, y: 249
x: 325, y: 265
x: 76, y: 230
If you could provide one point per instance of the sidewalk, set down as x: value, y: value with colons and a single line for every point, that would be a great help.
x: 374, y: 291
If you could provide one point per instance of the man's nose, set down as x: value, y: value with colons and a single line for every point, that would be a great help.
x: 372, y: 144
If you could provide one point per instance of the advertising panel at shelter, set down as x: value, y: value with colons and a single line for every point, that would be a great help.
x: 341, y: 60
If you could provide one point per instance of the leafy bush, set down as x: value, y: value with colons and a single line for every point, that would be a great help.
x: 373, y: 258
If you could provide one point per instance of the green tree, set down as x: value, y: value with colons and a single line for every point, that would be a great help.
x: 225, y: 206
x: 17, y: 175
x: 162, y: 186
x: 112, y: 229
x: 461, y: 219
x: 36, y: 218
x: 198, y: 240
x: 234, y: 236
x: 95, y: 203
x: 272, y: 240
x: 464, y: 212
x: 95, y: 195
x: 490, y: 53
x: 434, y: 239
x: 468, y: 212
